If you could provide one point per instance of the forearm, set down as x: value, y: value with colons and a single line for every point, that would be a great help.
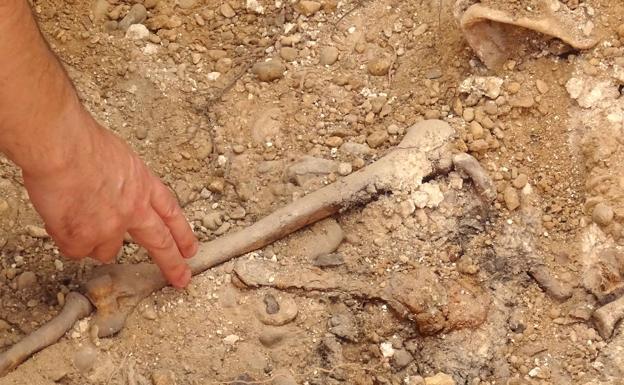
x: 40, y: 113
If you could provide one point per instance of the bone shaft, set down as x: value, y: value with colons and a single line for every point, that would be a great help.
x: 311, y: 208
x: 76, y: 307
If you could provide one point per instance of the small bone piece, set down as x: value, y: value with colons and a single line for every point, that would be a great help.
x: 606, y: 317
x: 76, y: 307
x: 494, y: 33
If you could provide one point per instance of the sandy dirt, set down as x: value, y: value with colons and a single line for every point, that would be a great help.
x: 498, y: 292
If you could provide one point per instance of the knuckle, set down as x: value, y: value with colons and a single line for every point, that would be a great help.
x: 171, y: 209
x: 163, y: 241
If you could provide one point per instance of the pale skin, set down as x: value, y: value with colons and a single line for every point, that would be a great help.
x: 89, y: 187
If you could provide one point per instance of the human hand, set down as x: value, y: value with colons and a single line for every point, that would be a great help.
x: 104, y: 191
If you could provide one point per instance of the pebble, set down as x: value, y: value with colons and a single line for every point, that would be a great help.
x: 620, y: 31
x: 329, y: 260
x: 136, y: 15
x: 212, y: 220
x: 522, y: 101
x: 85, y: 358
x: 476, y: 130
x: 377, y: 138
x: 186, y: 4
x: 137, y: 32
x: 36, y: 231
x: 433, y: 73
x: 468, y: 114
x: 333, y: 141
x: 288, y: 311
x: 401, y: 358
x: 227, y: 11
x: 358, y: 149
x: 542, y: 87
x: 140, y: 132
x: 163, y: 377
x: 520, y: 181
x: 283, y: 377
x: 149, y: 313
x: 491, y: 107
x: 516, y: 321
x: 223, y: 65
x: 386, y: 349
x: 328, y: 56
x: 26, y: 280
x: 4, y: 325
x: 345, y: 169
x: 379, y: 66
x: 272, y: 336
x: 58, y: 264
x: 308, y: 8
x: 511, y: 197
x: 602, y: 214
x: 289, y: 53
x: 231, y: 340
x: 553, y: 286
x: 269, y: 70
x: 440, y: 379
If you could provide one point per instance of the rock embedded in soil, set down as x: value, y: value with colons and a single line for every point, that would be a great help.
x: 379, y: 66
x: 552, y: 285
x: 227, y: 10
x: 288, y: 311
x: 602, y: 214
x: 283, y: 377
x: 377, y: 138
x: 136, y: 15
x: 212, y: 220
x: 401, y: 358
x: 85, y: 358
x: 520, y: 181
x: 440, y: 379
x: 272, y: 336
x: 308, y: 8
x: 26, y: 280
x: 289, y: 53
x: 163, y: 377
x: 328, y: 56
x: 329, y: 260
x: 511, y: 197
x: 269, y: 71
x: 323, y: 238
x: 137, y: 32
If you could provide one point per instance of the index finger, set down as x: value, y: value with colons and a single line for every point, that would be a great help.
x: 152, y: 233
x: 167, y: 207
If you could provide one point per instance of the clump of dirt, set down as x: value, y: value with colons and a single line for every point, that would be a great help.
x: 445, y: 284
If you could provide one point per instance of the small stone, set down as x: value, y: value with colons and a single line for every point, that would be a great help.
x: 223, y: 65
x: 542, y: 87
x: 308, y: 8
x: 187, y: 4
x: 238, y: 213
x: 620, y: 31
x: 415, y: 380
x: 283, y: 377
x: 289, y: 53
x: 227, y: 11
x: 433, y: 73
x: 440, y: 379
x: 333, y: 141
x: 137, y: 32
x: 329, y: 260
x: 520, y: 181
x: 36, y: 231
x: 328, y: 56
x: 469, y: 114
x: 386, y: 349
x: 4, y: 325
x: 491, y: 108
x: 377, y: 138
x: 4, y: 206
x: 272, y: 336
x: 516, y: 321
x: 26, y: 280
x: 232, y: 339
x: 269, y: 70
x: 357, y: 149
x: 476, y: 130
x: 163, y: 377
x: 140, y: 132
x: 407, y: 208
x: 58, y: 264
x: 511, y: 197
x: 136, y: 15
x: 379, y: 66
x: 401, y: 358
x: 149, y: 313
x: 522, y: 101
x: 602, y: 214
x: 479, y: 145
x: 212, y: 220
x: 85, y: 358
x: 345, y: 169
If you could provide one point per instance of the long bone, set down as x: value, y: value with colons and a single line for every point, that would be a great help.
x: 115, y: 290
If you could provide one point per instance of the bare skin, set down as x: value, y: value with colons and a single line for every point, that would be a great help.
x: 89, y: 187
